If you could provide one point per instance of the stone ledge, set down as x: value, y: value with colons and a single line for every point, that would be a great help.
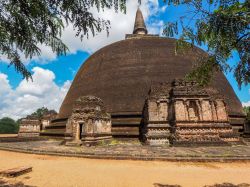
x: 20, y: 139
x: 111, y: 154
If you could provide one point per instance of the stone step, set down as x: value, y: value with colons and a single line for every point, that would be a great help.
x: 125, y: 129
x: 137, y: 119
x: 73, y: 144
x: 49, y: 133
x: 56, y: 127
x: 203, y: 126
x: 204, y: 133
x: 54, y: 130
x: 135, y: 133
x: 126, y: 126
x: 59, y: 123
x: 126, y: 122
x: 200, y: 143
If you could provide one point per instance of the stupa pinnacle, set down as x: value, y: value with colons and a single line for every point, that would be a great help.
x: 139, y: 27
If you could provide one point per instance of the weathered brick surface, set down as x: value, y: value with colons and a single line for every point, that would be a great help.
x: 206, y: 108
x: 180, y: 111
x: 29, y: 128
x: 89, y: 122
x: 189, y: 113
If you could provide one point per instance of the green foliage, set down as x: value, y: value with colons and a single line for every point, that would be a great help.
x: 222, y: 26
x: 26, y: 24
x: 8, y: 126
x: 40, y: 112
x: 246, y: 110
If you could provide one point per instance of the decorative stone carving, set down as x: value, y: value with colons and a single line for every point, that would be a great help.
x: 221, y: 110
x: 181, y: 110
x: 207, y: 123
x: 189, y: 116
x: 206, y: 109
x: 29, y: 127
x: 156, y: 129
x: 89, y: 123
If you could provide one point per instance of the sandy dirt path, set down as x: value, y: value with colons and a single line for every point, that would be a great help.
x: 53, y: 171
x: 8, y: 135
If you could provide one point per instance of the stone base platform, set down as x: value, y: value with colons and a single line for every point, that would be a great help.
x: 133, y: 150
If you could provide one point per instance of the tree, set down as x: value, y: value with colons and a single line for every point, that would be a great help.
x: 246, y: 110
x: 221, y: 25
x: 8, y: 126
x: 24, y: 24
x: 40, y: 112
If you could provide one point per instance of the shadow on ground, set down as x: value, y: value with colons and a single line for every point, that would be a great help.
x: 215, y: 185
x: 6, y: 183
x: 165, y: 185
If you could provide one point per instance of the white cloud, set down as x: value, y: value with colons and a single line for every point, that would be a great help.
x: 5, y: 86
x: 246, y: 103
x: 163, y: 8
x: 28, y: 96
x: 43, y: 91
x: 121, y: 24
x: 46, y: 56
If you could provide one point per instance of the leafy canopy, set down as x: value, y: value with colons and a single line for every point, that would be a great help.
x: 40, y: 112
x: 246, y: 109
x: 26, y: 24
x: 221, y: 25
x: 8, y: 126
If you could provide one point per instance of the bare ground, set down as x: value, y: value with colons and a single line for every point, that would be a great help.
x: 7, y: 135
x: 65, y: 171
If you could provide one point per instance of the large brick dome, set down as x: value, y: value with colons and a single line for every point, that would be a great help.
x: 121, y: 75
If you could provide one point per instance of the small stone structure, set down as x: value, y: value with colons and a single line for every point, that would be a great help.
x: 29, y: 127
x: 247, y: 126
x: 47, y: 118
x: 89, y: 122
x: 32, y: 125
x: 182, y: 112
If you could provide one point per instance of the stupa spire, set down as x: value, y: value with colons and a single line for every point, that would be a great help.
x: 139, y: 27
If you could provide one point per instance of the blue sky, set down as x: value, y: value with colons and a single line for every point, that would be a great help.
x: 53, y: 75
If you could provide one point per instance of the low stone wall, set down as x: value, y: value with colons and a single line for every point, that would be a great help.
x: 29, y: 128
x: 134, y: 151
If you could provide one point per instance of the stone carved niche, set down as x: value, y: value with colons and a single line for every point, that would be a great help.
x: 89, y: 122
x: 193, y: 110
x: 184, y: 113
x: 29, y: 127
x: 156, y: 128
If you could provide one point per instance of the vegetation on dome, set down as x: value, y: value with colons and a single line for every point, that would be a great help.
x: 246, y: 109
x: 40, y: 112
x: 223, y: 27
